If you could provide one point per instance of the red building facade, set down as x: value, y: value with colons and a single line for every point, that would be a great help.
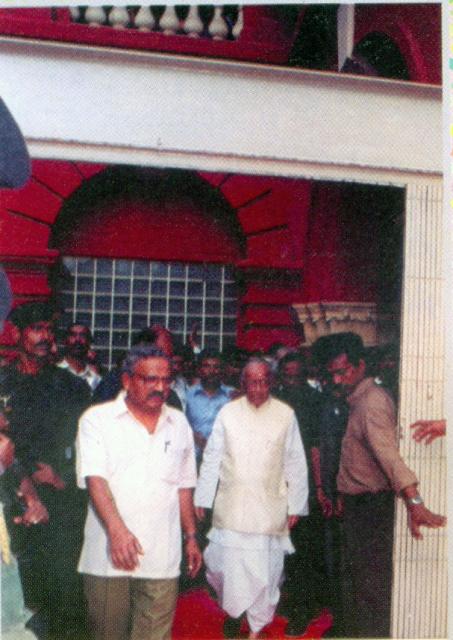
x: 290, y: 241
x: 247, y: 156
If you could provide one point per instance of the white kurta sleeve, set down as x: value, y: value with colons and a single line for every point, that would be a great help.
x: 90, y: 451
x: 210, y: 466
x: 296, y: 472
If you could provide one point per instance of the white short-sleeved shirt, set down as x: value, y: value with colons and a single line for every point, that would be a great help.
x: 144, y: 472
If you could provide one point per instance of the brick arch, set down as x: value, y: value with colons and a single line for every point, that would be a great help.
x: 147, y: 213
x: 270, y: 212
x: 27, y: 214
x: 26, y: 219
x: 274, y: 215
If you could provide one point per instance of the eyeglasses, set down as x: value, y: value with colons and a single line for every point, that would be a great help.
x: 258, y: 383
x: 153, y: 380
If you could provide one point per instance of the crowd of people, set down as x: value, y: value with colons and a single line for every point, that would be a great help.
x: 270, y: 478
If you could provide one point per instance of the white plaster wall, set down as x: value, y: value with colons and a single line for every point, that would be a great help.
x: 64, y: 96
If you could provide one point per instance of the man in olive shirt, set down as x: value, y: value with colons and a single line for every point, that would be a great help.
x: 371, y: 473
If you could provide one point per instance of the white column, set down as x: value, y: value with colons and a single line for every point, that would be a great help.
x: 345, y: 32
x: 419, y: 592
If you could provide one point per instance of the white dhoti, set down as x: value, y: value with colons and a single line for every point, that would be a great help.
x: 246, y: 571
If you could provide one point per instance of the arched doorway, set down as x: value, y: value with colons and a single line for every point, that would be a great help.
x: 140, y: 246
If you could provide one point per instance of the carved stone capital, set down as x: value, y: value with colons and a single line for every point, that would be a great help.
x: 324, y: 318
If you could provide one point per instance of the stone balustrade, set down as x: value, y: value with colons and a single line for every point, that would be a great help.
x: 213, y: 22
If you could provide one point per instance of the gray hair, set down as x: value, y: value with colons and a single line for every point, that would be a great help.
x: 252, y: 361
x: 141, y: 352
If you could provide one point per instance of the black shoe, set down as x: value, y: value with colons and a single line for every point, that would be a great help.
x: 334, y: 631
x: 296, y: 628
x: 231, y: 627
x: 39, y: 625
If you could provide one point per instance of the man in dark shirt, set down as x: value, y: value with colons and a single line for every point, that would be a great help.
x: 46, y: 403
x: 333, y: 419
x: 304, y: 569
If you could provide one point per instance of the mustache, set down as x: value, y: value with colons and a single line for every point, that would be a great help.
x: 155, y: 394
x: 44, y: 343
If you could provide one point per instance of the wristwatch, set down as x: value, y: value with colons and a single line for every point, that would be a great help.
x: 417, y: 499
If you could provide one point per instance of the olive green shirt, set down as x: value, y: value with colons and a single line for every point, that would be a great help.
x: 370, y: 460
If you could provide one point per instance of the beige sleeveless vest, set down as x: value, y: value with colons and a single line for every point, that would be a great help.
x: 252, y: 492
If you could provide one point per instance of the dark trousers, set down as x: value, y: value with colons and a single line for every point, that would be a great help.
x: 306, y: 579
x: 333, y: 558
x: 368, y: 532
x: 48, y: 560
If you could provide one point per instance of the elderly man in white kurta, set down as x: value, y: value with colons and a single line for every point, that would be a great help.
x: 254, y: 472
x: 136, y: 456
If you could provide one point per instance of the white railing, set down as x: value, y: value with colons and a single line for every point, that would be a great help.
x: 217, y: 23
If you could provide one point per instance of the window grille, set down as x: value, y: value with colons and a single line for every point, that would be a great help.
x: 117, y: 298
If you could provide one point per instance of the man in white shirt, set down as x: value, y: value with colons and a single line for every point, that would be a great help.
x: 77, y: 347
x: 256, y: 457
x: 136, y: 457
x: 179, y: 385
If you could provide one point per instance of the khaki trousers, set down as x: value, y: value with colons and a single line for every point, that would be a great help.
x: 130, y: 608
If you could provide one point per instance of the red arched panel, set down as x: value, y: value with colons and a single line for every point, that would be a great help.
x: 138, y: 230
x: 416, y: 31
x: 130, y: 212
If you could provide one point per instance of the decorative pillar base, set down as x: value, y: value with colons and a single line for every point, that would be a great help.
x: 324, y: 318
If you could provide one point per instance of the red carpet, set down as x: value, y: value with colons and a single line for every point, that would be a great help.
x: 198, y: 616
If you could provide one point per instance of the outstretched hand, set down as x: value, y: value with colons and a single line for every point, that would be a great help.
x: 428, y: 430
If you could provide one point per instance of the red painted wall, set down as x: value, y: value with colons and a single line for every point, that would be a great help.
x: 268, y: 36
x: 135, y: 230
x: 353, y: 249
x: 416, y: 29
x: 64, y: 210
x: 291, y: 240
